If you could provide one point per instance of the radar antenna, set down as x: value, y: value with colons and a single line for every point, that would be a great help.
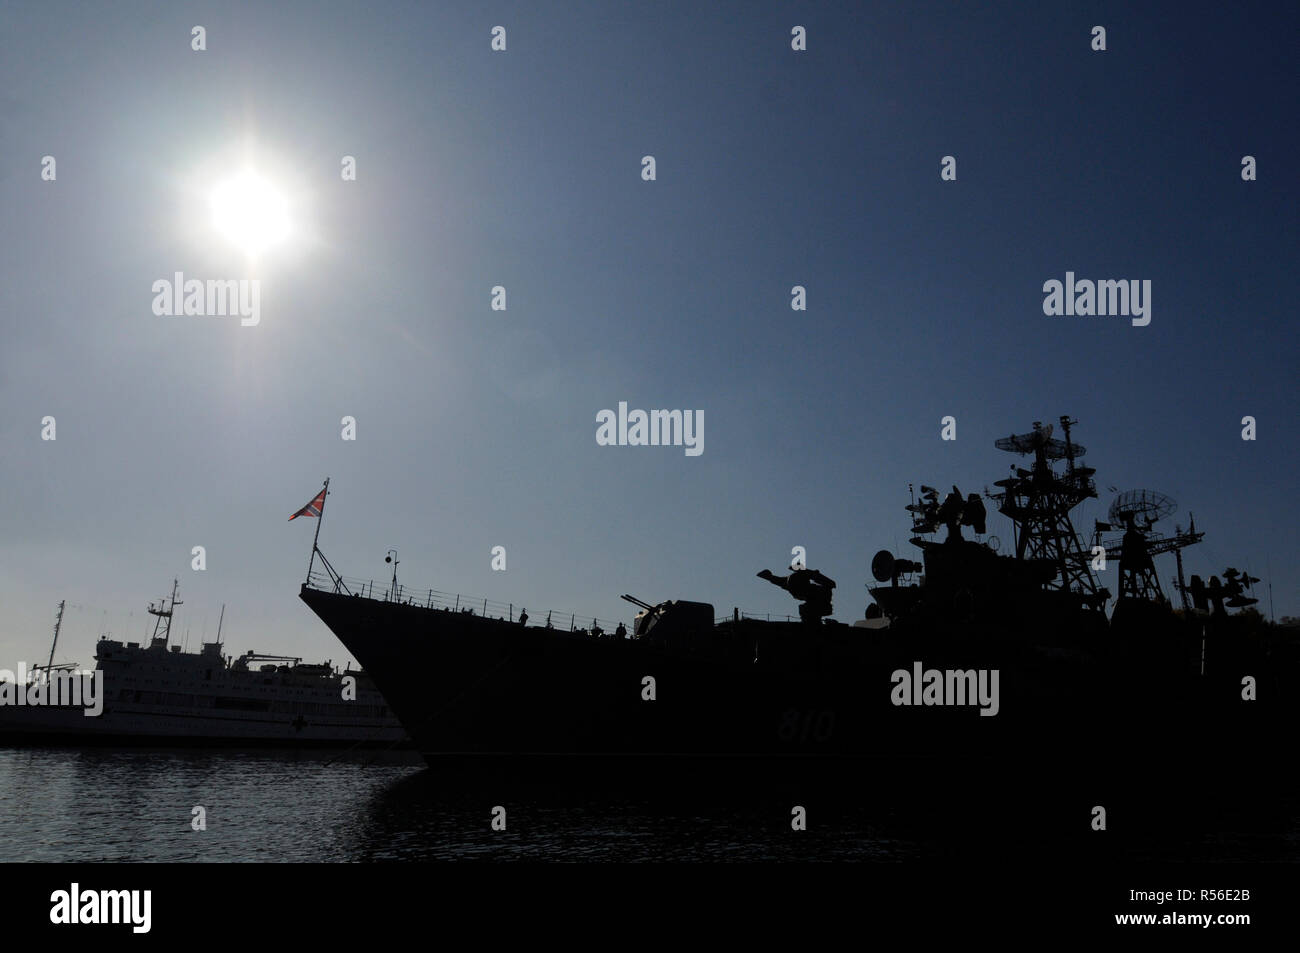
x: 1137, y: 512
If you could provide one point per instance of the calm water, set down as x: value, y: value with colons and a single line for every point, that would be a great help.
x: 135, y: 805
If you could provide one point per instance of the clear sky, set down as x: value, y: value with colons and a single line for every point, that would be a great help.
x: 476, y: 428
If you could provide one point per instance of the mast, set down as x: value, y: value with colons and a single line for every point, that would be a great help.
x: 392, y: 558
x: 1182, y: 586
x: 1039, y: 500
x: 1271, y: 617
x: 58, y: 622
x: 165, y: 612
x: 320, y: 519
x: 220, y: 618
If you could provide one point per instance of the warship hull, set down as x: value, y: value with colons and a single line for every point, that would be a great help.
x: 758, y: 690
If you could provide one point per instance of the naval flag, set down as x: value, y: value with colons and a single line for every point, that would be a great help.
x: 314, y: 508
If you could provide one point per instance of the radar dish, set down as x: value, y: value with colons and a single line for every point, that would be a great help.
x: 882, y: 566
x: 1146, y: 505
x: 1027, y: 443
x: 1021, y: 443
x: 1040, y: 439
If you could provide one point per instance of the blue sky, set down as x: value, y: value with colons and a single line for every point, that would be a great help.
x: 476, y: 428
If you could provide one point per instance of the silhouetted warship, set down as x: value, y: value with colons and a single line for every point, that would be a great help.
x: 158, y: 695
x: 968, y: 652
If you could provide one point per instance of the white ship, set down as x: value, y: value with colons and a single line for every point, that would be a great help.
x: 160, y: 695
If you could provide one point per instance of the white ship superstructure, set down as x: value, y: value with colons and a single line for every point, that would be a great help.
x: 160, y: 694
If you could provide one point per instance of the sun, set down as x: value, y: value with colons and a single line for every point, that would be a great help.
x: 250, y: 212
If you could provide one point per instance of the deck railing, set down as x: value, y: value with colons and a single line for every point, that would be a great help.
x: 329, y: 581
x: 757, y: 616
x: 457, y: 602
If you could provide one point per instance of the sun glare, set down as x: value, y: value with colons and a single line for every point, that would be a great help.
x: 248, y: 211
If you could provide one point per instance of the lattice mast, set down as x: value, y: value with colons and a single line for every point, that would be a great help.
x: 58, y: 624
x: 1039, y: 500
x: 1136, y: 513
x: 162, y: 628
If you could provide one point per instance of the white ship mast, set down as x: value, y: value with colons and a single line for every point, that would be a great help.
x: 164, y: 613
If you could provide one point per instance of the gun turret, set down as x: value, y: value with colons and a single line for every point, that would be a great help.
x: 675, y: 618
x: 810, y: 587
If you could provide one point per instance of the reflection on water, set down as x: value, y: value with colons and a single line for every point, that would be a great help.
x: 137, y: 805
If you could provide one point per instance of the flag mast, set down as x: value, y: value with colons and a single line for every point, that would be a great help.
x: 320, y: 519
